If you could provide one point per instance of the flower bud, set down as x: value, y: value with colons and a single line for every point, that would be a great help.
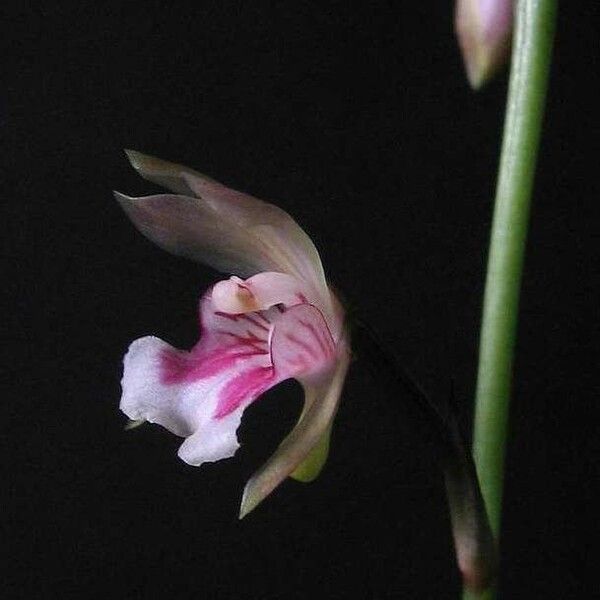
x: 483, y: 28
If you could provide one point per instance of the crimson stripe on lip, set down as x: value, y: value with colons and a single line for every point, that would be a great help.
x: 325, y: 347
x: 252, y: 320
x: 304, y: 345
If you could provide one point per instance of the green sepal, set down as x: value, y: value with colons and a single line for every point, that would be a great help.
x: 309, y: 469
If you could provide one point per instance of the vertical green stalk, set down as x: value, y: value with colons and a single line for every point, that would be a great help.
x: 532, y: 46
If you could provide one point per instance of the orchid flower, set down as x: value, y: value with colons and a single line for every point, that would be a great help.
x: 275, y: 318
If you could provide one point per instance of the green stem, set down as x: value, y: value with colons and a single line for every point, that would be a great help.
x: 532, y: 46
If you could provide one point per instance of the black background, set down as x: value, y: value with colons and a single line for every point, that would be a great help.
x: 358, y: 122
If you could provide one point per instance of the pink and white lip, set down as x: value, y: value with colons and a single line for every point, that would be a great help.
x: 201, y: 394
x: 280, y: 322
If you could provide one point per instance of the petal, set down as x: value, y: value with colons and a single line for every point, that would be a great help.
x: 161, y: 172
x: 191, y: 228
x: 223, y: 228
x: 321, y: 404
